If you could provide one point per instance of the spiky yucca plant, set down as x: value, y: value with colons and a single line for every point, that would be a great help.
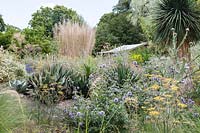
x: 180, y: 15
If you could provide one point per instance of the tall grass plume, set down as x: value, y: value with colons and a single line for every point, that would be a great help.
x: 74, y: 39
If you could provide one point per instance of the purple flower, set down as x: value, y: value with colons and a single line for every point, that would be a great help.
x: 71, y: 115
x: 101, y: 113
x: 79, y: 114
x: 183, y: 100
x: 130, y: 94
x: 65, y: 111
x: 190, y: 101
x: 124, y: 97
x: 116, y: 100
x: 29, y: 68
x: 135, y: 63
x: 74, y: 98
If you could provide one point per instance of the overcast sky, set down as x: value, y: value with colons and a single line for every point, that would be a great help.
x: 18, y: 12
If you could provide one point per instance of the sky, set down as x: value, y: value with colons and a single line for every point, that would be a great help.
x: 18, y: 12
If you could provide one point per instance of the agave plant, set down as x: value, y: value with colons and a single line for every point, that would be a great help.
x: 19, y: 86
x: 52, y: 82
x: 181, y: 15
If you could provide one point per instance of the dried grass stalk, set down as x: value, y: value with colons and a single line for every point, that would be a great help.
x: 74, y: 39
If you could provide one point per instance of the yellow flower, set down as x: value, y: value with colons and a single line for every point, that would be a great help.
x: 45, y: 86
x: 167, y: 96
x: 155, y: 87
x: 181, y: 105
x: 60, y: 92
x: 52, y: 89
x: 148, y: 75
x: 158, y: 98
x: 151, y: 109
x: 174, y: 88
x: 154, y: 113
x: 176, y: 122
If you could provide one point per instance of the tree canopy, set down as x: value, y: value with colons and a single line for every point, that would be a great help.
x: 115, y: 30
x: 2, y: 24
x: 47, y: 17
x: 122, y: 6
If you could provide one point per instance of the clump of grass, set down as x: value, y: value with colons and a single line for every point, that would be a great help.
x: 11, y: 113
x: 74, y: 39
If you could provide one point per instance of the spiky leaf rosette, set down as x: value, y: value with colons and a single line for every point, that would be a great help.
x: 178, y: 14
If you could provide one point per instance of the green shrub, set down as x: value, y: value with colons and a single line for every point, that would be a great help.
x: 36, y: 37
x: 55, y: 83
x: 141, y: 55
x: 9, y: 67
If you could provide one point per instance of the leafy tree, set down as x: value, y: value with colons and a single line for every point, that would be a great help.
x: 7, y: 35
x: 47, y: 17
x: 115, y: 30
x: 122, y: 6
x: 36, y: 37
x: 180, y: 15
x: 2, y: 24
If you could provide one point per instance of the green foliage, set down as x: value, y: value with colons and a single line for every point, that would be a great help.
x: 141, y: 55
x: 6, y: 37
x: 119, y: 75
x: 177, y: 14
x: 19, y: 86
x: 115, y: 30
x: 99, y: 114
x: 9, y: 67
x: 122, y: 6
x: 11, y: 114
x: 55, y: 83
x: 51, y: 84
x: 36, y: 38
x: 2, y: 24
x: 47, y: 17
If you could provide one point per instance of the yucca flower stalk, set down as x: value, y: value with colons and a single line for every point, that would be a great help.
x: 180, y: 15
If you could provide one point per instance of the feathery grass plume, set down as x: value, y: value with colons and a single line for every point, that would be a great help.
x: 74, y: 39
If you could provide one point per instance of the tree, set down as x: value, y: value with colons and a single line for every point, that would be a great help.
x: 2, y: 24
x: 7, y: 35
x: 122, y: 6
x: 116, y: 30
x: 47, y: 17
x: 180, y: 15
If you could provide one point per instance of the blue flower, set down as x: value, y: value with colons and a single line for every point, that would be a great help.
x: 130, y: 94
x: 71, y: 115
x: 79, y: 114
x: 101, y: 113
x: 190, y: 102
x: 183, y: 100
x: 116, y: 100
x: 135, y: 63
x: 29, y: 68
x: 65, y: 111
